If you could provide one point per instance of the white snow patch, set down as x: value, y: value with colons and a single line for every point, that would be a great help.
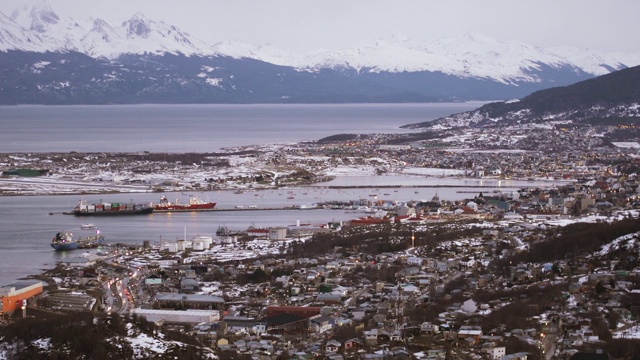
x: 214, y: 82
x: 627, y: 145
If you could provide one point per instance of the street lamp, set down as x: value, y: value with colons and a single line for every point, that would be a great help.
x: 24, y: 308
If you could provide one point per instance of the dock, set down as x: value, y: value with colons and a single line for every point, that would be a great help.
x: 240, y: 209
x: 216, y: 210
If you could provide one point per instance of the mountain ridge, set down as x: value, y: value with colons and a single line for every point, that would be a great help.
x: 470, y: 55
x: 140, y: 60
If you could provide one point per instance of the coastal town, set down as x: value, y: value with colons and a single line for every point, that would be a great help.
x: 539, y: 273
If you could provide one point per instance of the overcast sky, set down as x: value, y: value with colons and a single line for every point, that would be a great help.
x: 304, y: 25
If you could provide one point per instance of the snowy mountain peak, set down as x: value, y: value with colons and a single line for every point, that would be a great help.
x: 138, y: 26
x: 14, y: 36
x: 38, y: 17
x: 37, y: 27
x: 468, y: 56
x: 101, y: 33
x: 591, y: 61
x: 100, y: 26
x: 476, y: 37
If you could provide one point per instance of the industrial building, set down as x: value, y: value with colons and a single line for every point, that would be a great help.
x: 178, y: 316
x: 15, y: 296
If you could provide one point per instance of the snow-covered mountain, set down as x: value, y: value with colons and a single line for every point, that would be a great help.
x: 37, y: 27
x: 96, y: 37
x: 471, y: 55
x: 594, y: 62
x: 41, y: 52
x: 14, y: 36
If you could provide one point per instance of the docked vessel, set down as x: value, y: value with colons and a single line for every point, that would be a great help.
x: 111, y: 209
x: 64, y: 241
x: 194, y: 204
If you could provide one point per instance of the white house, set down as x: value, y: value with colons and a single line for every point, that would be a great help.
x: 496, y: 353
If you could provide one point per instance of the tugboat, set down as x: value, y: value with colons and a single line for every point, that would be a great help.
x: 195, y: 204
x: 64, y: 241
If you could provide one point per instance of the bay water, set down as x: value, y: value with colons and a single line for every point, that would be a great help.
x: 26, y: 226
x: 198, y: 128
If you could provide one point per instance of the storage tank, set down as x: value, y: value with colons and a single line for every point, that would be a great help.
x: 227, y: 240
x: 207, y: 240
x: 277, y: 233
x: 172, y: 247
x: 198, y: 245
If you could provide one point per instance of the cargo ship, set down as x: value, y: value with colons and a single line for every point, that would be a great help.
x: 64, y: 241
x: 110, y: 209
x: 194, y: 204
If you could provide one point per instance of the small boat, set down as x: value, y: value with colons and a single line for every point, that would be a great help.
x: 88, y: 226
x: 65, y: 240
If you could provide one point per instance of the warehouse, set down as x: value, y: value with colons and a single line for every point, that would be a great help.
x: 15, y: 295
x: 178, y: 316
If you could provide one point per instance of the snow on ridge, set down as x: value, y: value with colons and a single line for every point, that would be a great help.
x: 477, y: 116
x: 15, y: 36
x: 96, y: 37
x: 268, y: 53
x: 629, y: 241
x: 39, y: 28
x: 590, y: 61
x: 471, y: 55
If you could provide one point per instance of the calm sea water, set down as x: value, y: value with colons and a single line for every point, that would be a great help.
x: 198, y: 128
x: 26, y: 228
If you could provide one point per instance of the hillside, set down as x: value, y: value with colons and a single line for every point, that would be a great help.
x: 611, y: 96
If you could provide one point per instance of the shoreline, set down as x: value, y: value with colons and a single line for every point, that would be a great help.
x: 130, y: 189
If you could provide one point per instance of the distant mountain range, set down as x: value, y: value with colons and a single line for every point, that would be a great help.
x: 47, y: 59
x: 608, y: 99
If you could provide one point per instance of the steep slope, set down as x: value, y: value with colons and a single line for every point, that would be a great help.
x: 615, y: 95
x: 14, y: 36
